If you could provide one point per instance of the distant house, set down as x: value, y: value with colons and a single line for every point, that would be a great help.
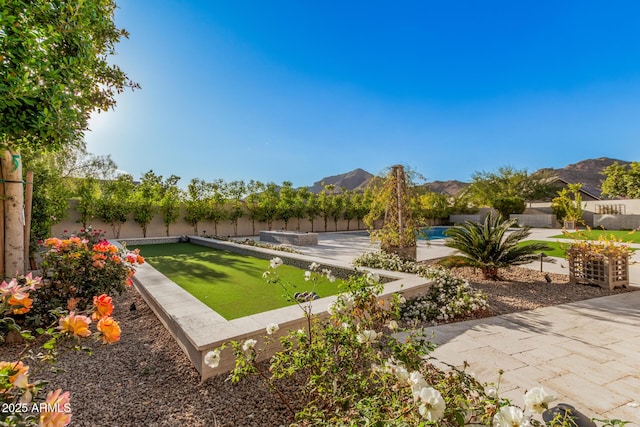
x: 587, y: 172
x: 587, y: 193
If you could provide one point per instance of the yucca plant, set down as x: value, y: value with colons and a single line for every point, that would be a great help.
x: 489, y: 247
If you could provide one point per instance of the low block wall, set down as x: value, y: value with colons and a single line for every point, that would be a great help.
x: 617, y: 222
x: 151, y: 241
x: 536, y: 220
x: 289, y: 238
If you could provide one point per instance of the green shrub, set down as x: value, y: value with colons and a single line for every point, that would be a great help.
x: 508, y: 205
x: 489, y: 247
x: 448, y: 299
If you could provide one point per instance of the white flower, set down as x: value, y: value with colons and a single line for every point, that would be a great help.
x: 491, y: 392
x: 265, y: 274
x: 212, y: 358
x: 249, y: 344
x: 399, y: 371
x: 433, y: 405
x: 417, y: 382
x: 275, y: 262
x: 367, y: 337
x: 327, y: 273
x: 393, y: 325
x: 537, y: 399
x: 307, y: 275
x: 314, y: 266
x: 272, y: 328
x: 510, y: 416
x: 402, y: 299
x: 372, y: 277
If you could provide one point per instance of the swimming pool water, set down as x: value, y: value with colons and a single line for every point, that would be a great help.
x: 433, y: 233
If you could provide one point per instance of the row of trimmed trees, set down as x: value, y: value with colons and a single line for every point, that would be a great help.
x: 99, y: 194
x: 116, y: 200
x: 92, y: 181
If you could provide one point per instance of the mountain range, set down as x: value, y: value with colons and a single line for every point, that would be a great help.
x: 588, y: 172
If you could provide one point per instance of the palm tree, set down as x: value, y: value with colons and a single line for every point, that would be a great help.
x: 489, y: 247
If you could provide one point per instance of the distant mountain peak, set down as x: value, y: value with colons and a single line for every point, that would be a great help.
x: 356, y: 179
x: 451, y: 187
x: 594, y: 164
x: 587, y: 172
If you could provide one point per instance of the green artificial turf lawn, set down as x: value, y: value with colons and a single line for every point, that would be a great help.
x: 229, y: 283
x: 557, y: 248
x: 624, y: 235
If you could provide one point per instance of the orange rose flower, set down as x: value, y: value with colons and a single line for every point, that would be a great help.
x: 75, y: 324
x: 53, y: 242
x: 98, y: 260
x: 98, y: 256
x: 20, y: 302
x: 58, y: 410
x: 105, y: 246
x: 110, y: 330
x: 20, y: 376
x: 103, y: 305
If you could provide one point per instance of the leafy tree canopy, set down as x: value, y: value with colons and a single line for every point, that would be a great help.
x: 507, y: 182
x: 568, y: 205
x: 54, y: 70
x: 622, y: 181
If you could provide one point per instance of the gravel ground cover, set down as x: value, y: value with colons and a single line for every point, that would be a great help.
x: 146, y: 380
x: 526, y: 289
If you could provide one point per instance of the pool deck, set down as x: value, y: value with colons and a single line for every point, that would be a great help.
x: 586, y: 353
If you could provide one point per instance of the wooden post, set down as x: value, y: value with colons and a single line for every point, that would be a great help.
x: 13, y: 214
x: 2, y: 220
x: 28, y: 201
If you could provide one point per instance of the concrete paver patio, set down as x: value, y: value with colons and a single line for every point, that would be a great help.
x: 586, y: 353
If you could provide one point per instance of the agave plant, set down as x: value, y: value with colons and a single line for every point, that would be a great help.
x: 490, y: 247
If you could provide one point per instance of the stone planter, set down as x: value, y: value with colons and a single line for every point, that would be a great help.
x: 569, y: 224
x: 604, y: 271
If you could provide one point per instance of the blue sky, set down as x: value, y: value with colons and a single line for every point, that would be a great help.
x: 300, y: 90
